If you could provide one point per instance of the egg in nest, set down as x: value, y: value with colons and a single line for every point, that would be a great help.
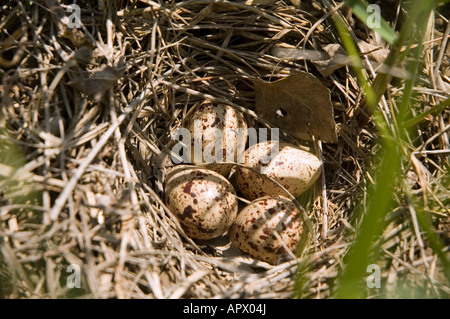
x: 203, y: 201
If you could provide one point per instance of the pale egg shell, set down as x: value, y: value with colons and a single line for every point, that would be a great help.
x: 253, y: 231
x: 204, y: 201
x: 218, y: 134
x: 295, y: 169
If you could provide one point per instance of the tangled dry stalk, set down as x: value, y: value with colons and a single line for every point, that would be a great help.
x: 91, y: 111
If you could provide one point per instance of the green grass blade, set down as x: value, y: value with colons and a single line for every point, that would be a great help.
x: 397, y: 52
x: 372, y: 95
x: 14, y: 185
x: 422, y: 13
x: 355, y: 59
x: 362, y: 10
x: 435, y: 242
x: 435, y: 110
x: 361, y: 253
x: 387, y: 173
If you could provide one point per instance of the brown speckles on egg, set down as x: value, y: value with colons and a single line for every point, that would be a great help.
x: 187, y: 187
x: 254, y: 230
x: 206, y: 230
x: 269, y: 249
x: 253, y: 245
x: 262, y: 163
x: 216, y: 121
x: 187, y: 212
x: 213, y: 117
x: 295, y: 169
x: 203, y: 201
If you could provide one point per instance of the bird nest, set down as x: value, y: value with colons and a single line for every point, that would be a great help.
x: 87, y: 116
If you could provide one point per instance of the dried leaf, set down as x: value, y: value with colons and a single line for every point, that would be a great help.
x: 334, y: 57
x: 96, y: 85
x: 299, y: 104
x: 337, y: 59
x: 374, y: 52
x: 83, y: 55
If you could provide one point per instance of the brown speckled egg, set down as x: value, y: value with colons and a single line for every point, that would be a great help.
x: 203, y: 201
x: 253, y: 231
x: 295, y: 169
x: 218, y: 134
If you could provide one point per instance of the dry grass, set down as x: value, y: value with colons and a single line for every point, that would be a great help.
x: 91, y: 111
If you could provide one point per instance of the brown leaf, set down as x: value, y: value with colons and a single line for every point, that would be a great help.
x: 83, y: 55
x: 333, y: 56
x: 98, y: 83
x: 374, y: 52
x: 299, y: 104
x: 335, y: 61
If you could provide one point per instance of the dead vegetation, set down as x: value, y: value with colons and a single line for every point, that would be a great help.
x: 86, y: 120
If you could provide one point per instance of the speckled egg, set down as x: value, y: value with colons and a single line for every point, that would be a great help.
x: 255, y: 228
x: 295, y: 169
x: 204, y: 201
x: 218, y: 134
